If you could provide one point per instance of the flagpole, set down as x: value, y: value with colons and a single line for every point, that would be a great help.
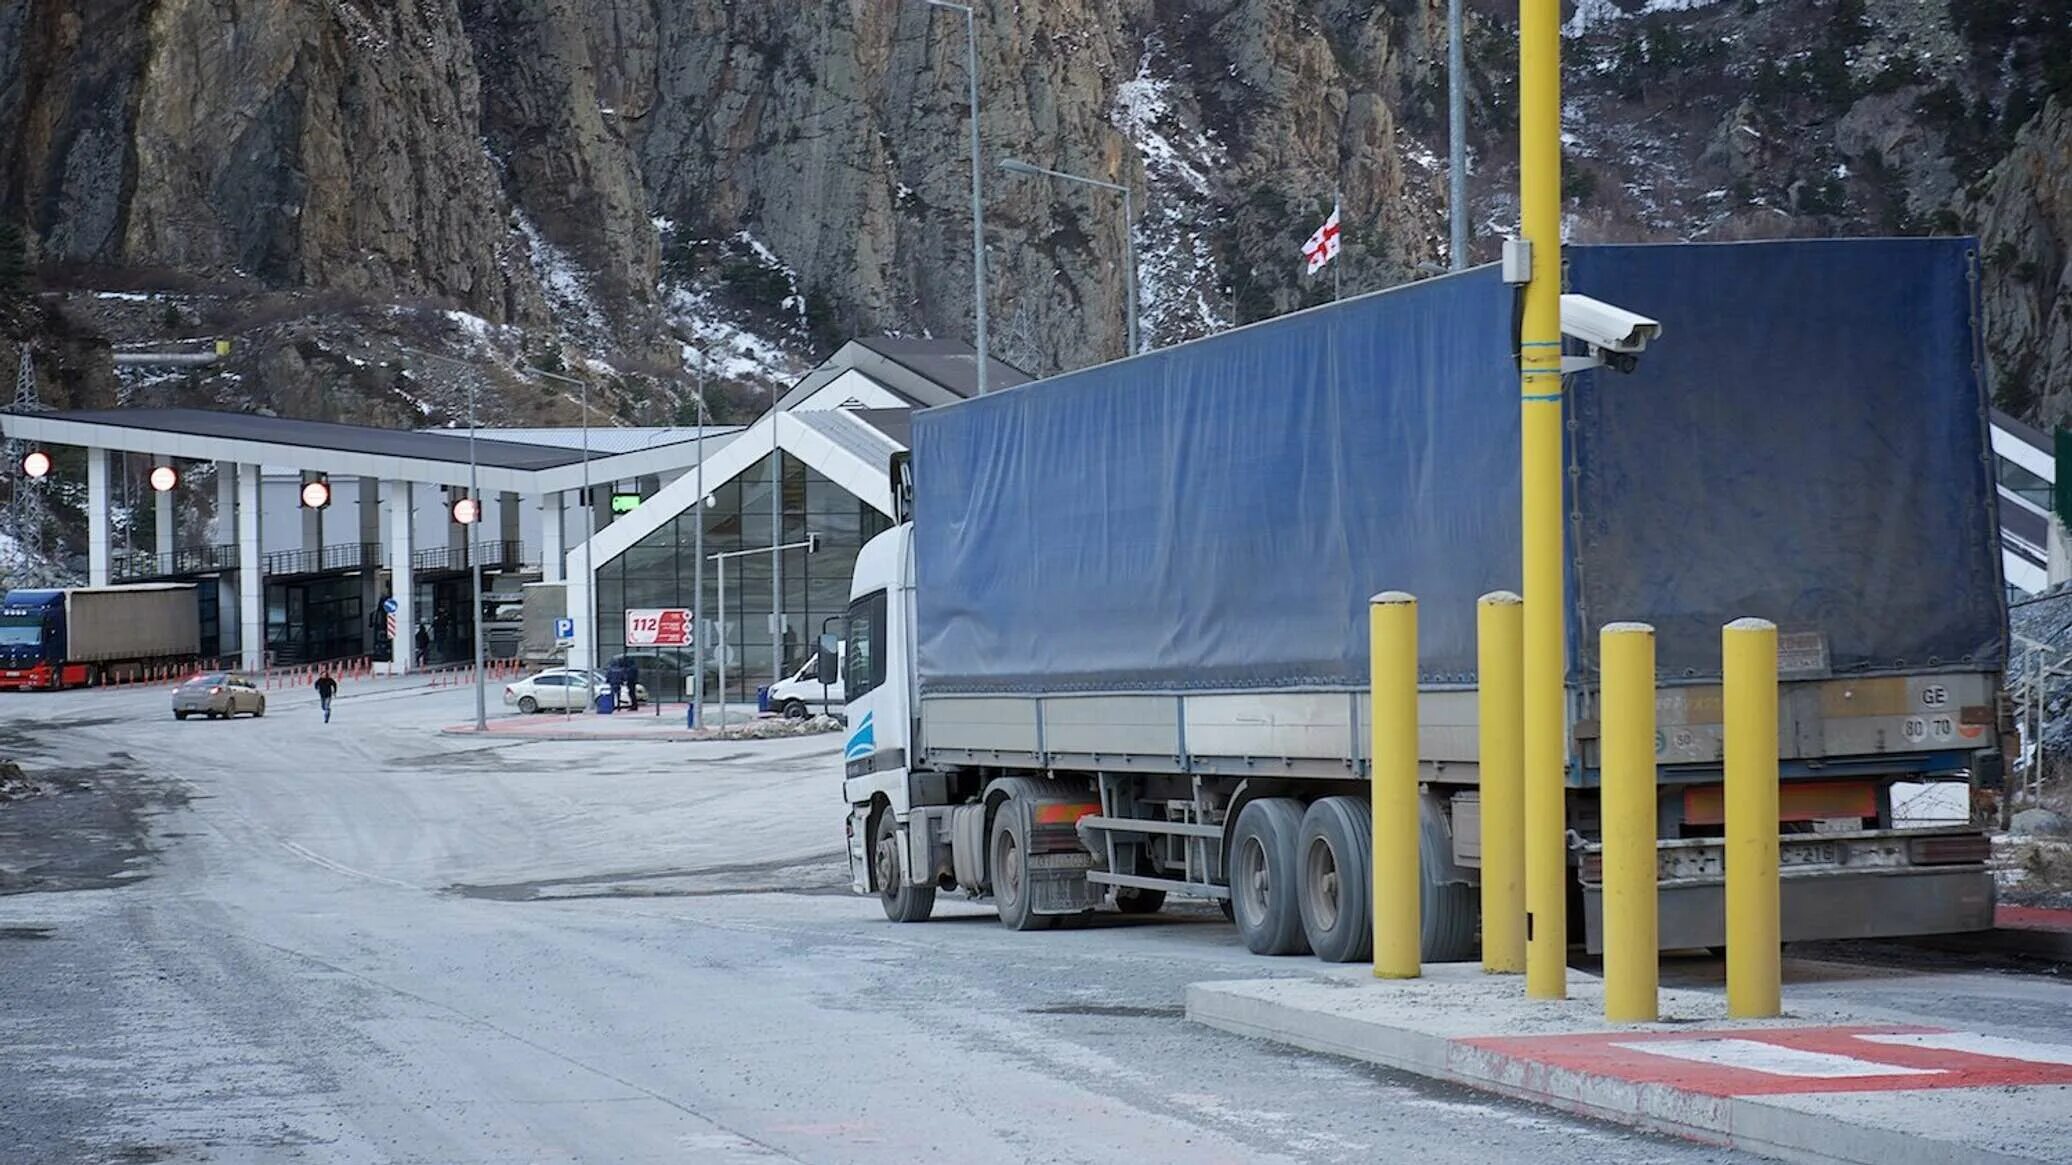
x: 1337, y: 202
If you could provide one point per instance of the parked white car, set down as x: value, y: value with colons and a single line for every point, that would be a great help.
x: 559, y: 688
x: 800, y: 695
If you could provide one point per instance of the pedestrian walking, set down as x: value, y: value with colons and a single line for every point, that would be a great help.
x: 424, y: 644
x: 326, y: 688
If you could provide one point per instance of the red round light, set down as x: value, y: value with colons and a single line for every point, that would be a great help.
x: 467, y: 511
x: 316, y: 494
x: 36, y: 464
x: 164, y: 478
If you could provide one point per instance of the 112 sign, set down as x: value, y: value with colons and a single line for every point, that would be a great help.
x: 658, y: 627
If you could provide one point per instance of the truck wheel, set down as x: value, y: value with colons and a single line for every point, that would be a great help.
x: 1265, y: 886
x: 902, y: 903
x: 1009, y: 867
x: 1449, y: 911
x: 1337, y: 906
x: 1137, y: 900
x: 528, y: 705
x: 795, y: 710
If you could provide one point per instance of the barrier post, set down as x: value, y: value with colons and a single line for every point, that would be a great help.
x: 1626, y: 653
x: 1500, y: 662
x: 1754, y: 973
x: 1392, y: 781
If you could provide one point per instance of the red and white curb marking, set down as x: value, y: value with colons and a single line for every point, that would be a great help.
x: 1769, y: 1061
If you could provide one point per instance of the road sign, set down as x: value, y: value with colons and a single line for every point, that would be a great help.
x: 658, y: 627
x: 564, y: 630
x: 389, y: 604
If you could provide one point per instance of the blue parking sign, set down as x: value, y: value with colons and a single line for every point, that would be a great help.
x: 565, y: 630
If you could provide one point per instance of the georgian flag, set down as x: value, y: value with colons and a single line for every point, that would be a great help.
x: 1322, y: 247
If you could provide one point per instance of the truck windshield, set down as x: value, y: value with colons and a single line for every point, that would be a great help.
x: 21, y: 631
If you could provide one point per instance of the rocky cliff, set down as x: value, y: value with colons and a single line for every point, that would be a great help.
x: 377, y: 199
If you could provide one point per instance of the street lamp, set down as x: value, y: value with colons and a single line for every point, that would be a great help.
x: 1129, y: 227
x: 978, y: 214
x: 589, y: 523
x: 474, y: 567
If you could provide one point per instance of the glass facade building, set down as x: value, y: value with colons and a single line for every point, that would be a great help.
x: 657, y: 571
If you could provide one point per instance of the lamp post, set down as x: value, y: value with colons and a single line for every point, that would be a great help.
x: 978, y: 214
x: 1457, y: 136
x: 474, y: 567
x: 589, y: 523
x: 1129, y: 228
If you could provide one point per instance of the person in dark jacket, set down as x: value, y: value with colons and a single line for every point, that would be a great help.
x: 631, y: 674
x: 326, y: 688
x: 424, y: 644
x: 615, y: 679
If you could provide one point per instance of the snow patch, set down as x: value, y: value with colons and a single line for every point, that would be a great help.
x: 1593, y: 15
x: 1178, y: 284
x: 561, y: 279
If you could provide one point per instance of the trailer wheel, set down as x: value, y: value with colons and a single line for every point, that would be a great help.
x: 903, y: 903
x: 1449, y: 909
x: 1337, y: 900
x: 1265, y: 886
x: 1009, y: 867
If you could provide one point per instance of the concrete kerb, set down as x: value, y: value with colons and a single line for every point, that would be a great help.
x: 1425, y: 1027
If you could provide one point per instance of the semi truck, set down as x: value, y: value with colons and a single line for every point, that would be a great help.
x: 80, y: 636
x: 1115, y: 647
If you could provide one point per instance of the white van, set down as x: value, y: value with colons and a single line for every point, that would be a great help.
x: 800, y: 695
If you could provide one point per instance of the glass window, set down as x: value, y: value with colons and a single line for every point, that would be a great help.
x: 864, y: 664
x: 551, y: 681
x: 2022, y: 483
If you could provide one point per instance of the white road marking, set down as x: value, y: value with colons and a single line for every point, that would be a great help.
x: 1979, y: 1045
x: 1773, y: 1059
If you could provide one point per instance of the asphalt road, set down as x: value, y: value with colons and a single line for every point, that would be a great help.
x: 279, y: 940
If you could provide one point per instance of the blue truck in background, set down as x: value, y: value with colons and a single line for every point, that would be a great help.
x: 79, y: 636
x: 1116, y: 650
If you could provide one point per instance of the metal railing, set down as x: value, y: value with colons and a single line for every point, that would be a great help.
x: 188, y: 560
x: 341, y: 556
x: 490, y: 555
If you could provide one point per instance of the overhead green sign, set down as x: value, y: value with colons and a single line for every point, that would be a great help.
x: 625, y: 503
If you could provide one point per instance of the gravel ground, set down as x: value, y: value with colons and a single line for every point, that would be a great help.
x: 277, y: 940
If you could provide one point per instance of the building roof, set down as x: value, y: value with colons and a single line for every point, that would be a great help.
x: 605, y: 439
x: 921, y: 372
x: 952, y: 364
x: 852, y: 434
x: 498, y: 463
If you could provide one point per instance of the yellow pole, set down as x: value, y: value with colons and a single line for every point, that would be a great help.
x: 1499, y: 623
x: 1392, y: 777
x: 1749, y: 647
x: 1627, y: 795
x: 1546, y: 658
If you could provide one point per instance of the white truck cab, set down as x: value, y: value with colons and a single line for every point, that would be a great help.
x: 801, y: 694
x: 877, y: 670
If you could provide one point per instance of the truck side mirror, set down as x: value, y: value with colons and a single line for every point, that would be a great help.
x: 827, y: 663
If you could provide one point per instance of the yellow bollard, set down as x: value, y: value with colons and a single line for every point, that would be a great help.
x: 1499, y: 619
x: 1392, y: 777
x: 1627, y: 654
x: 1749, y: 648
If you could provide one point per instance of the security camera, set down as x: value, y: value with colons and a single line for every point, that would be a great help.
x: 1616, y: 337
x: 1604, y: 326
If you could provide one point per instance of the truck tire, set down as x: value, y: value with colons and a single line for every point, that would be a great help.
x: 1449, y: 910
x: 1265, y: 883
x: 795, y: 710
x: 903, y: 903
x: 1008, y: 864
x: 1337, y: 883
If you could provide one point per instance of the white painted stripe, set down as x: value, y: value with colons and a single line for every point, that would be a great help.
x: 1980, y: 1045
x: 1773, y: 1059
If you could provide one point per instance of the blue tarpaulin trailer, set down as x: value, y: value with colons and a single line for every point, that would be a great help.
x: 1144, y: 584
